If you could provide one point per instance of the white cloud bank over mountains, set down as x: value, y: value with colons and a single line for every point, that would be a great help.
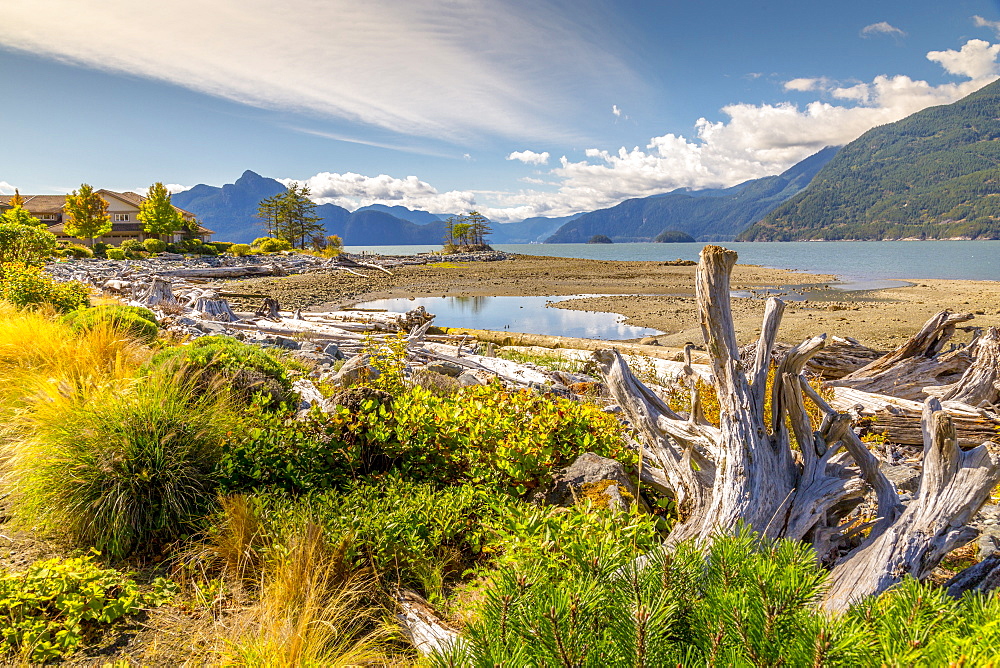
x: 755, y: 141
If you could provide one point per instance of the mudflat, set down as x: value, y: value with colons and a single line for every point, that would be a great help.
x: 653, y: 294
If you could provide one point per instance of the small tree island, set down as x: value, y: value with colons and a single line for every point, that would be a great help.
x: 674, y: 237
x: 600, y: 239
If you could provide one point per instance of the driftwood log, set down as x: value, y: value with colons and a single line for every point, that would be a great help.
x: 916, y: 364
x: 798, y: 483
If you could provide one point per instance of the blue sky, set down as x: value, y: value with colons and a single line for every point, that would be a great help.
x: 517, y: 108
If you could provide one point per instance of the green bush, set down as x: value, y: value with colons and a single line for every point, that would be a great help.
x: 115, y: 254
x: 132, y: 245
x: 54, y: 606
x: 79, y: 252
x: 25, y: 243
x: 245, y: 369
x: 135, y: 321
x: 512, y: 440
x: 207, y: 249
x: 29, y: 286
x: 100, y: 249
x: 222, y: 246
x: 154, y: 245
x: 271, y: 245
x: 745, y: 601
x: 241, y: 250
x: 120, y: 469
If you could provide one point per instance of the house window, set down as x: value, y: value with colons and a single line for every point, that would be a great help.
x: 121, y: 217
x: 46, y: 216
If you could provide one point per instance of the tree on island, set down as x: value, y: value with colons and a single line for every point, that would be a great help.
x: 600, y: 239
x: 479, y: 227
x: 674, y: 237
x: 467, y: 230
x: 157, y: 215
x: 86, y: 214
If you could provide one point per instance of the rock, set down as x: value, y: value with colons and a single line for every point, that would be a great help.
x: 597, y: 478
x: 649, y: 341
x: 333, y: 350
x: 905, y: 478
x: 446, y: 368
x: 983, y: 577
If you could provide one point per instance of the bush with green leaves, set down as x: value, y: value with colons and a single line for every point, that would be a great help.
x: 115, y: 254
x: 136, y: 321
x: 100, y: 249
x: 271, y: 245
x: 56, y: 606
x: 122, y: 469
x: 222, y: 246
x: 30, y: 287
x: 246, y: 370
x: 743, y: 601
x: 132, y: 245
x: 207, y: 249
x: 240, y: 250
x: 79, y: 252
x: 154, y: 245
x: 512, y: 440
x: 25, y: 243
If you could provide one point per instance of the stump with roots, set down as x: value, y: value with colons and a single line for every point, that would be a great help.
x: 799, y: 483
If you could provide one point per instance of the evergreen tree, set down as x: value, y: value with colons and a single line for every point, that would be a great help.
x: 157, y: 215
x: 268, y: 211
x: 479, y: 227
x: 297, y: 220
x: 86, y: 214
x: 449, y: 228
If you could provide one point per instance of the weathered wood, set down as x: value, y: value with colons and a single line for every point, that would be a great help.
x: 747, y: 472
x: 916, y: 364
x: 839, y: 357
x: 158, y: 292
x: 424, y: 628
x: 268, y: 309
x: 222, y: 272
x: 215, y: 309
x: 980, y: 384
x: 953, y: 487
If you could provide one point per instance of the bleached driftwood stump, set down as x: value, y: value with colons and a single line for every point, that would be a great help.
x: 798, y: 484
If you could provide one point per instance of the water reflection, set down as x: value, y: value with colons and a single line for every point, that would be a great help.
x: 529, y: 315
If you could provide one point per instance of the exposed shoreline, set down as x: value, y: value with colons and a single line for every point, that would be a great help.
x: 659, y: 296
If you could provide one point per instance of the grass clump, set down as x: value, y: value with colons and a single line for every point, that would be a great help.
x: 122, y: 469
x: 247, y: 370
x: 136, y: 321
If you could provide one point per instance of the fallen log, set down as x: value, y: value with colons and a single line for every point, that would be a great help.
x: 839, y: 357
x: 222, y: 272
x: 917, y: 363
x: 980, y: 384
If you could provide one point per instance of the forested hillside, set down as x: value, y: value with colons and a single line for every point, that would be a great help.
x: 935, y: 175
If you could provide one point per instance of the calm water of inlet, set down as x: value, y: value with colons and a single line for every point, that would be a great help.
x: 856, y: 262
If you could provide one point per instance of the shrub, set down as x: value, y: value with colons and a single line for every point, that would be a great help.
x: 207, y: 249
x: 115, y: 254
x: 55, y: 606
x: 154, y: 245
x: 132, y: 245
x: 271, y: 245
x: 29, y: 287
x: 240, y: 250
x: 121, y: 469
x: 100, y: 249
x: 222, y: 246
x: 514, y: 440
x: 79, y: 252
x: 135, y: 321
x: 25, y: 243
x: 246, y: 369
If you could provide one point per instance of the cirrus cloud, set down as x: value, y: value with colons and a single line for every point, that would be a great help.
x: 882, y: 28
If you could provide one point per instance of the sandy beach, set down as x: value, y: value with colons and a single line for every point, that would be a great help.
x: 651, y: 294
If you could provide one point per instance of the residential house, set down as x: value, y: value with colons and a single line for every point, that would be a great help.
x: 122, y: 207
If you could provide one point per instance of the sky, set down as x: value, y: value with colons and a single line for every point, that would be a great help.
x: 516, y: 108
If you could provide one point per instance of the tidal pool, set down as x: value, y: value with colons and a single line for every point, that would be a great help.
x: 529, y: 315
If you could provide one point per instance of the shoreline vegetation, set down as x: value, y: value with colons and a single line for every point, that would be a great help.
x: 199, y: 477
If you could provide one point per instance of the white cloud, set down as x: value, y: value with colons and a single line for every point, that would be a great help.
x: 530, y: 157
x: 351, y: 191
x: 882, y: 28
x: 976, y: 60
x: 616, y: 110
x: 985, y: 23
x: 804, y: 84
x: 409, y: 66
x: 6, y: 188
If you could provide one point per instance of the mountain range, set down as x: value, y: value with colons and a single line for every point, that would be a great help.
x: 711, y: 214
x: 934, y: 174
x: 231, y: 212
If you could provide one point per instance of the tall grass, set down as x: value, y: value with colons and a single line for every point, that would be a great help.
x: 119, y: 466
x: 313, y: 611
x: 37, y: 349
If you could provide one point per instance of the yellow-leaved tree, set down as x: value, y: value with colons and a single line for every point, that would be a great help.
x: 157, y: 215
x: 86, y: 214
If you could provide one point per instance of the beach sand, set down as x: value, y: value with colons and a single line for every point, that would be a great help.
x: 651, y: 294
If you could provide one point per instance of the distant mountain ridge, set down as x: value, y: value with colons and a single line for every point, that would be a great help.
x: 934, y: 174
x: 231, y: 211
x: 711, y: 214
